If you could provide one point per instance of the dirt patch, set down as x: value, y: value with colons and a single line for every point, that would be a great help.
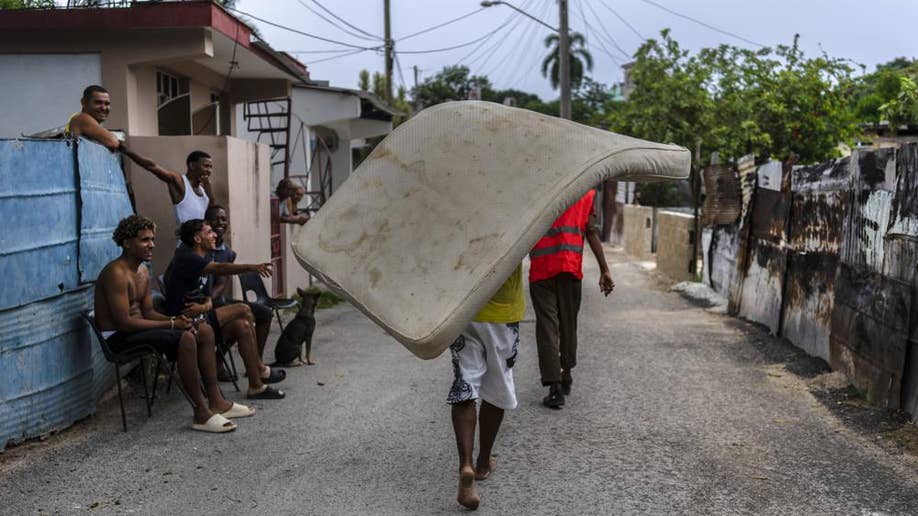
x: 892, y: 430
x: 773, y: 350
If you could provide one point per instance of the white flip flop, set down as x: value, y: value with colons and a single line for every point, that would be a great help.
x: 238, y: 410
x: 215, y: 425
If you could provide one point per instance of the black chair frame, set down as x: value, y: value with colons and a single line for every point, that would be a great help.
x: 125, y: 357
x: 251, y: 282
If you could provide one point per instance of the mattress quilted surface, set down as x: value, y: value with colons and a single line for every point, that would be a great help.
x: 430, y: 225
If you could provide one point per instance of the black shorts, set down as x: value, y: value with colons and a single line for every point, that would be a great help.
x: 162, y: 340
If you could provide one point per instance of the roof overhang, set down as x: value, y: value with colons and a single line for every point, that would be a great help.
x: 230, y: 35
x: 371, y: 106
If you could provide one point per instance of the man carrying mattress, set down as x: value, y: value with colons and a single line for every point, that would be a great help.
x: 483, y: 359
x: 555, y: 276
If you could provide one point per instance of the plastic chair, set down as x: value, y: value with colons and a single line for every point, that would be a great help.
x: 125, y: 357
x: 251, y: 282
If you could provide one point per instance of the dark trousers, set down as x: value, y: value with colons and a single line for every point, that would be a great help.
x: 556, y: 302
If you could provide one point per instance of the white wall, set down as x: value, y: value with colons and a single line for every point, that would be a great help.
x: 41, y: 91
x: 318, y: 107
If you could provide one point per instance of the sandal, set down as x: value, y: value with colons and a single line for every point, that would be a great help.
x: 237, y: 411
x: 216, y: 424
x: 270, y: 393
x: 275, y: 376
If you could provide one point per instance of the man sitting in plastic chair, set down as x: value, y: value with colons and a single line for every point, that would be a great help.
x: 124, y: 314
x: 218, y: 220
x: 188, y: 292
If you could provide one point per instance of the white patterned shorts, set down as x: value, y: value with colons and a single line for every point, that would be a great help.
x: 483, y: 358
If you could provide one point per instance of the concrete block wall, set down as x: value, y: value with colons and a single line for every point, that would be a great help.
x: 675, y: 244
x: 637, y: 231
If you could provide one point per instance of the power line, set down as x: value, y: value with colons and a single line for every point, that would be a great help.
x: 324, y: 51
x: 607, y: 33
x: 401, y: 75
x: 605, y: 50
x: 444, y: 49
x: 524, y: 44
x: 703, y: 24
x: 601, y: 45
x: 332, y: 22
x: 463, y: 60
x: 339, y: 56
x: 489, y: 53
x: 342, y: 20
x: 403, y: 38
x: 295, y: 31
x: 635, y: 31
x: 490, y: 35
x: 515, y: 77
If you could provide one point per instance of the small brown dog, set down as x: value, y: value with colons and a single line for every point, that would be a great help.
x: 288, y: 352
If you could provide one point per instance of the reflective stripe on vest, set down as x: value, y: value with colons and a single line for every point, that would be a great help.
x: 574, y: 230
x: 535, y: 253
x: 561, y: 248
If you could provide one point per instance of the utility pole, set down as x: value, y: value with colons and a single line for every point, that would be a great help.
x: 564, y: 58
x: 417, y: 102
x: 388, y: 22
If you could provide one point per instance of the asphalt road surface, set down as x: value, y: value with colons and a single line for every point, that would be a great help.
x: 674, y: 410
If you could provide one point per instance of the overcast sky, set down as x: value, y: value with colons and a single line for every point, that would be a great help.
x: 867, y: 32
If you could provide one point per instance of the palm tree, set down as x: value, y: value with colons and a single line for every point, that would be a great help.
x: 553, y: 63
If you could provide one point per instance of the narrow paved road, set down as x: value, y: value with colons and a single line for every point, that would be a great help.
x: 674, y: 410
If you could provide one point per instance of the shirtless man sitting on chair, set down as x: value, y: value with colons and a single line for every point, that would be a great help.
x: 125, y: 315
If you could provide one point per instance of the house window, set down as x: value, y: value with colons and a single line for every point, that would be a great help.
x: 169, y: 87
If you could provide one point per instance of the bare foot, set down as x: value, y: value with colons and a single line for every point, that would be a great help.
x: 310, y: 361
x: 484, y: 471
x: 468, y: 495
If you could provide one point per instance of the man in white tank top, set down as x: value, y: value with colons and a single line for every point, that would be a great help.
x: 190, y: 192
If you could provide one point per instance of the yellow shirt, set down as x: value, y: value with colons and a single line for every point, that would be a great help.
x: 69, y: 121
x: 508, y: 305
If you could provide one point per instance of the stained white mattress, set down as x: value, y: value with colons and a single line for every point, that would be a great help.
x: 430, y: 225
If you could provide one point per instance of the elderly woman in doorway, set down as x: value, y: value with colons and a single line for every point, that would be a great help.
x: 290, y: 194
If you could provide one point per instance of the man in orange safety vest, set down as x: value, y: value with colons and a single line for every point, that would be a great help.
x: 555, y: 277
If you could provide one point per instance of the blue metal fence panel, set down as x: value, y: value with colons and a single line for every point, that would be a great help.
x: 38, y: 216
x: 104, y: 201
x: 48, y: 363
x: 58, y: 207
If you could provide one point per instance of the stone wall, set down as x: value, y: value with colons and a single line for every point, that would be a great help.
x: 675, y: 244
x: 637, y: 231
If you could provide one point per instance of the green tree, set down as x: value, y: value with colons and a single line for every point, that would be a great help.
x: 26, y: 4
x: 363, y: 80
x: 670, y: 102
x: 580, y: 58
x: 379, y: 85
x: 902, y: 108
x: 873, y: 90
x: 770, y: 102
x: 451, y: 83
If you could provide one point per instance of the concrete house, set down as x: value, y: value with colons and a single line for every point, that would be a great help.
x: 185, y: 76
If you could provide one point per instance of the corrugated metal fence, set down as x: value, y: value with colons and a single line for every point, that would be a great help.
x: 59, y: 202
x: 825, y: 256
